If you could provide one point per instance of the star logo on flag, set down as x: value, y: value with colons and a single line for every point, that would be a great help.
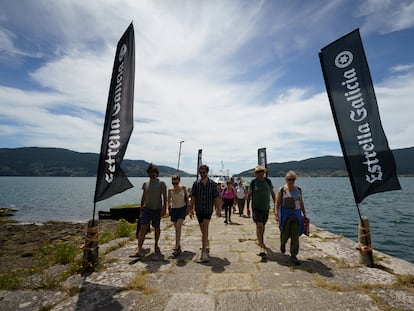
x: 344, y: 59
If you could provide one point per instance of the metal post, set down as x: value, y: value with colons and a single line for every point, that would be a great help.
x: 179, y: 155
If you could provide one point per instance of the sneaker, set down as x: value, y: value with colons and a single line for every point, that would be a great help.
x: 204, y: 257
x: 294, y: 260
x: 225, y: 222
x: 283, y: 248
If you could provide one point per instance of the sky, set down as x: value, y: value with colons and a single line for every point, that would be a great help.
x: 227, y: 77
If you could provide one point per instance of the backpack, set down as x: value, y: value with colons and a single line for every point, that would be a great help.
x: 282, y: 191
x: 253, y: 183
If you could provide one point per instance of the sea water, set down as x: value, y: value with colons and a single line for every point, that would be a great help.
x: 329, y: 203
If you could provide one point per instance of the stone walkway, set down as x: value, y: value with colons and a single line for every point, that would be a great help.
x: 236, y: 278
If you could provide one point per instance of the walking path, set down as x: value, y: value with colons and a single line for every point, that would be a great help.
x: 236, y: 278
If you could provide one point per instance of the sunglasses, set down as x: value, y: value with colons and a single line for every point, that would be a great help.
x: 291, y: 179
x: 175, y: 182
x: 203, y: 172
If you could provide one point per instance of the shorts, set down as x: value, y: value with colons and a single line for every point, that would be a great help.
x: 260, y: 216
x: 178, y: 213
x: 201, y: 217
x: 150, y: 215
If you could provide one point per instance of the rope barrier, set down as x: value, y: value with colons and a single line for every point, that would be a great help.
x: 91, y: 236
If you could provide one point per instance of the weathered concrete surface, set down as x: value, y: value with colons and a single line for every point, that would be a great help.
x: 328, y: 278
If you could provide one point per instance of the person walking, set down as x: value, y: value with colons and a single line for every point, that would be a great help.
x: 153, y: 207
x: 220, y: 190
x: 228, y: 194
x: 204, y: 196
x: 178, y: 207
x: 259, y: 193
x: 290, y: 214
x: 241, y: 197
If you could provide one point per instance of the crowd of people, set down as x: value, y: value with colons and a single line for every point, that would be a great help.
x: 207, y: 197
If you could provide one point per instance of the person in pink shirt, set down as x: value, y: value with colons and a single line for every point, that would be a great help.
x: 228, y: 194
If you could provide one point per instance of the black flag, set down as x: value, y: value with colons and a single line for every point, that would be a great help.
x: 199, y: 159
x: 261, y: 157
x: 119, y: 121
x: 368, y: 158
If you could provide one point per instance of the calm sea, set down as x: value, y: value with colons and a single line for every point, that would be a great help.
x: 329, y: 203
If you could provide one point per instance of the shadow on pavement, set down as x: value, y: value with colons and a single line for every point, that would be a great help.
x: 309, y: 265
x: 184, y: 258
x: 153, y: 261
x: 217, y: 264
x: 97, y: 297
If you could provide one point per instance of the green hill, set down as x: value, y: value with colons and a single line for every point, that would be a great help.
x: 334, y: 166
x: 36, y: 161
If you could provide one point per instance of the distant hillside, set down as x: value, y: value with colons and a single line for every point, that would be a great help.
x: 35, y: 161
x: 334, y: 166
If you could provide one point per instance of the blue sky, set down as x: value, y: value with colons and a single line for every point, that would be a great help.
x: 227, y: 77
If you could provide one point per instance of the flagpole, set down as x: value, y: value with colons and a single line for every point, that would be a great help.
x: 94, y: 210
x: 179, y: 155
x: 364, y: 241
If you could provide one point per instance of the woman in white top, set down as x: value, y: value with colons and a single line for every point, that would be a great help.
x: 241, y: 197
x: 178, y: 207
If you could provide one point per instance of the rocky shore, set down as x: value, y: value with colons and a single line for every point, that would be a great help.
x: 329, y: 276
x: 19, y: 243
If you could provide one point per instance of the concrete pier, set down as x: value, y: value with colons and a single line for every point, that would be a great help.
x: 329, y: 276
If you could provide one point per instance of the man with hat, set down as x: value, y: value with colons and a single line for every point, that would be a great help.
x: 259, y: 193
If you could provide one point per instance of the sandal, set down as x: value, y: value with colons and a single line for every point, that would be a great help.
x: 262, y: 252
x: 177, y: 252
x: 136, y: 255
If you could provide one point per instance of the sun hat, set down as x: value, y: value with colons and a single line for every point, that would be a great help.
x: 260, y: 168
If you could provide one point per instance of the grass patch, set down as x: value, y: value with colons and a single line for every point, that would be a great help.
x: 125, y: 205
x: 123, y: 229
x: 406, y: 281
x: 140, y: 282
x: 322, y: 283
x: 13, y: 279
x: 32, y: 268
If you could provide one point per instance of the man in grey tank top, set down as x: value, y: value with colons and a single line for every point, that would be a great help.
x: 153, y: 207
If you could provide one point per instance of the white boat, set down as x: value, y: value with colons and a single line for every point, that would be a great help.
x: 222, y: 177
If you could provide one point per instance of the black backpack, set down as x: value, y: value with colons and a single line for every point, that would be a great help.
x: 253, y: 183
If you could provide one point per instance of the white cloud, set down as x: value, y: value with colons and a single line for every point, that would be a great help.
x: 210, y: 73
x: 386, y: 16
x: 394, y: 98
x: 402, y: 68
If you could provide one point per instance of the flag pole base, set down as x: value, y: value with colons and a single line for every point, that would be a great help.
x: 364, y: 239
x: 91, y: 248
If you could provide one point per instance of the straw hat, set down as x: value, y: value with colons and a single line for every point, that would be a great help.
x: 260, y: 168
